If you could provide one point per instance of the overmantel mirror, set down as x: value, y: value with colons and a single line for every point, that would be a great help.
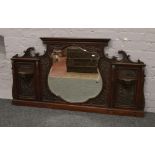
x: 76, y: 74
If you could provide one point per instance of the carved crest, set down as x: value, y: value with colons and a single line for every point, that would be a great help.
x: 126, y: 58
x: 28, y: 53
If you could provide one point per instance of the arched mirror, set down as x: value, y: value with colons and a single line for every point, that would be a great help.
x: 74, y: 75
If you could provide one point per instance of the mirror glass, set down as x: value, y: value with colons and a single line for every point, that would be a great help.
x: 74, y: 75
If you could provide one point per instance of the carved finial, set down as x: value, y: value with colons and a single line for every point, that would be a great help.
x: 123, y: 53
x: 28, y: 52
x: 125, y: 57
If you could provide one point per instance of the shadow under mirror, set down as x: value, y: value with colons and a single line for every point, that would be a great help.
x: 74, y: 75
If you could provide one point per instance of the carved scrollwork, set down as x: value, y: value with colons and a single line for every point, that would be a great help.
x: 102, y: 98
x: 126, y: 58
x: 28, y: 53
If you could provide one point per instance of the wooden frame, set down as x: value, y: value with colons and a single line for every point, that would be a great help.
x: 105, y: 101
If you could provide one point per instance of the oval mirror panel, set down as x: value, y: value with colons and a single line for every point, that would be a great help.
x: 74, y: 75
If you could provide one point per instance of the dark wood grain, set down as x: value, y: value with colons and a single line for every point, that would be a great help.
x: 74, y: 107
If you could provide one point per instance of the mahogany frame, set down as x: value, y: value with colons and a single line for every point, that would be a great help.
x: 109, y: 68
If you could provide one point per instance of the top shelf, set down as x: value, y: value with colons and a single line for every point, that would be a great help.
x: 81, y: 40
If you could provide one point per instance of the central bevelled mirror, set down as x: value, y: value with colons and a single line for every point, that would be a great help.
x: 74, y: 75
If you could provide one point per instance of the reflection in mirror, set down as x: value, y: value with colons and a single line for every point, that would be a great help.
x: 74, y: 75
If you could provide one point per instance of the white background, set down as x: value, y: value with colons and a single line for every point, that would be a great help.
x: 77, y: 14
